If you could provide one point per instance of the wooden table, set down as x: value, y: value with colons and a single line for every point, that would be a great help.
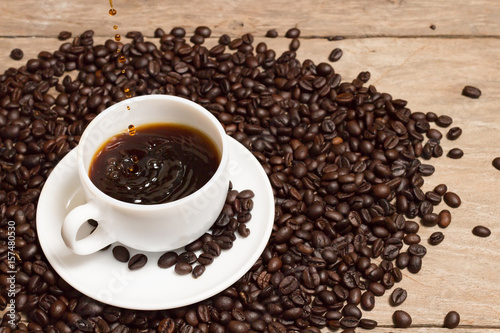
x: 394, y: 41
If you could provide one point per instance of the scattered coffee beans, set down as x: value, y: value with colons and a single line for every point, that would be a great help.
x: 401, y: 319
x: 481, y: 231
x: 16, y: 54
x: 496, y: 163
x: 335, y: 55
x: 444, y: 121
x: 342, y: 159
x: 471, y: 92
x: 451, y: 320
x: 455, y: 153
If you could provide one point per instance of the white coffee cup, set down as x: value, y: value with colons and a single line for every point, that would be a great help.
x: 156, y: 227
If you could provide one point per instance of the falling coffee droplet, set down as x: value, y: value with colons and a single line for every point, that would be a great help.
x: 118, y: 37
x: 127, y: 92
x: 118, y: 50
x: 112, y: 12
x: 135, y: 159
x: 121, y: 59
x: 131, y: 130
x: 123, y: 71
x: 115, y: 27
x: 128, y: 107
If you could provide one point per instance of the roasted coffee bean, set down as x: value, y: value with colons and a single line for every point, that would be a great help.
x: 443, y: 121
x: 471, y: 92
x: 452, y: 200
x: 444, y: 218
x: 335, y: 55
x: 454, y: 133
x: 183, y: 268
x: 292, y: 33
x: 401, y: 319
x: 414, y: 264
x: 203, y: 31
x: 455, y: 153
x: 367, y: 324
x: 496, y: 163
x: 121, y: 253
x: 198, y: 270
x: 64, y: 35
x: 16, y: 54
x: 436, y: 238
x: 168, y: 259
x: 137, y: 261
x: 398, y: 296
x: 481, y: 231
x: 451, y: 320
x: 272, y: 33
x: 368, y: 301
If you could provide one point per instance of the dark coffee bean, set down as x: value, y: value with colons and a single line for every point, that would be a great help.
x: 294, y: 45
x: 64, y: 35
x: 198, y: 270
x: 481, y: 231
x: 272, y: 33
x: 168, y: 259
x: 368, y: 301
x: 203, y: 31
x: 451, y: 320
x: 444, y: 218
x: 178, y: 32
x: 496, y: 163
x: 335, y: 55
x: 454, y: 133
x: 367, y: 324
x: 452, y: 200
x: 16, y: 54
x: 121, y: 253
x: 455, y: 153
x: 414, y: 264
x: 471, y: 92
x: 401, y: 319
x: 444, y: 121
x: 292, y: 33
x: 349, y: 322
x: 398, y: 296
x: 183, y: 268
x: 436, y: 238
x: 137, y: 261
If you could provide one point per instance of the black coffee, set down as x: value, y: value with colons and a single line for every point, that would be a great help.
x: 159, y: 163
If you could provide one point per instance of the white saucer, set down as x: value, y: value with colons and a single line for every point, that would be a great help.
x: 105, y: 279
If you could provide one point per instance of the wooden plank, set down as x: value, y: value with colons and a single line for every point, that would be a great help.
x: 323, y: 18
x: 462, y: 273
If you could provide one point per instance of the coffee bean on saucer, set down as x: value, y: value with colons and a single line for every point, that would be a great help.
x: 167, y: 259
x: 183, y: 268
x: 121, y: 253
x: 198, y: 270
x: 137, y: 261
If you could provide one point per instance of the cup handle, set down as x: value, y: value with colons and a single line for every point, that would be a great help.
x: 72, y: 223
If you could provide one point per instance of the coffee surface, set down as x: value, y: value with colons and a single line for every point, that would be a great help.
x: 158, y: 164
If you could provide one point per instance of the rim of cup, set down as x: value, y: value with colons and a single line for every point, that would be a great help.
x: 123, y: 104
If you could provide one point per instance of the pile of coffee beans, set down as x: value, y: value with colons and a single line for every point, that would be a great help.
x: 342, y: 158
x: 234, y: 219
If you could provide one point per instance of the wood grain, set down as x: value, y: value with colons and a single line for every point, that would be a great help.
x: 429, y: 72
x: 319, y: 18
